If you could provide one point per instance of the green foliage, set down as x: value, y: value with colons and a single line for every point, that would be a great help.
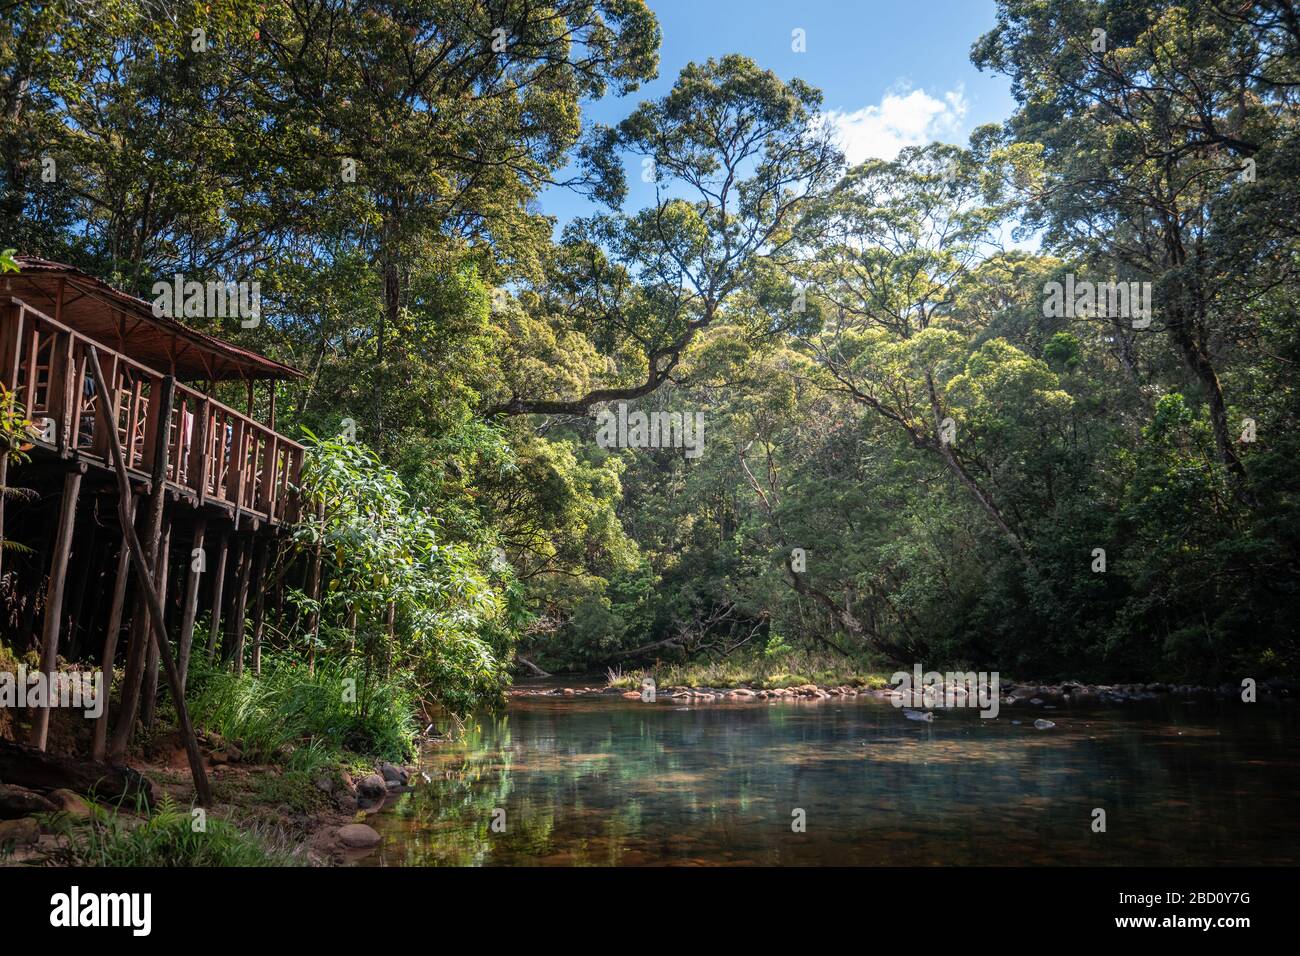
x: 165, y: 837
x: 881, y: 387
x: 383, y: 559
x: 315, y: 713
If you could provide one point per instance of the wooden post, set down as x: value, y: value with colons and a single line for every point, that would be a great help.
x: 11, y: 347
x: 160, y: 404
x: 203, y: 792
x: 237, y: 616
x: 218, y: 587
x: 160, y: 575
x: 100, y: 742
x: 199, y: 458
x: 191, y: 598
x: 54, y: 599
x: 259, y: 604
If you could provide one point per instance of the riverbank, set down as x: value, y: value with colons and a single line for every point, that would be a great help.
x: 1010, y: 692
x: 263, y: 814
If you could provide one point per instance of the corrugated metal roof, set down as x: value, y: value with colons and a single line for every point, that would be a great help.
x: 217, y: 358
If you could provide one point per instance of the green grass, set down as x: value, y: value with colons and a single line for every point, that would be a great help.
x: 294, y: 789
x: 165, y: 837
x: 288, y: 708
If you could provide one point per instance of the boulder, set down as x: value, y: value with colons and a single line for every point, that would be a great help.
x: 358, y: 836
x: 71, y: 803
x: 392, y: 773
x: 23, y: 832
x: 18, y: 801
x: 346, y: 802
x: 372, y: 786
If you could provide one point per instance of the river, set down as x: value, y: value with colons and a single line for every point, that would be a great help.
x: 602, y: 780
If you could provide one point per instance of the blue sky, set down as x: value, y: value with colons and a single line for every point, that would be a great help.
x: 893, y: 73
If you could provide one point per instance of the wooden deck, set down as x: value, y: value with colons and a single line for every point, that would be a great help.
x: 216, y: 456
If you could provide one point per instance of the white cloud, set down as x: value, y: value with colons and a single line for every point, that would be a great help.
x: 902, y: 119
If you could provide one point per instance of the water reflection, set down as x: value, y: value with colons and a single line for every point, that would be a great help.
x: 608, y: 781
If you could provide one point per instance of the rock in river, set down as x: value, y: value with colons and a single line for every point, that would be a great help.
x: 1041, y: 724
x: 372, y: 786
x: 358, y: 836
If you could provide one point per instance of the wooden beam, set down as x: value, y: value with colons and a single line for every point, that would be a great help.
x: 54, y: 598
x: 218, y: 587
x: 191, y: 602
x: 239, y: 606
x: 203, y: 792
x: 160, y: 405
x: 99, y: 745
x: 259, y: 603
x: 11, y: 347
x: 160, y: 572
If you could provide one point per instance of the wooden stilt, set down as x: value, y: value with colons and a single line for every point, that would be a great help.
x: 218, y: 587
x: 160, y: 576
x: 100, y: 743
x: 54, y: 598
x: 191, y: 598
x: 259, y: 603
x: 238, y: 615
x: 159, y: 432
x: 203, y: 793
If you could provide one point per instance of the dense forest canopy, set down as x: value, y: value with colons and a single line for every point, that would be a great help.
x: 908, y: 455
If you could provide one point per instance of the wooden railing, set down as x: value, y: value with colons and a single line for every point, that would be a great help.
x: 213, y: 452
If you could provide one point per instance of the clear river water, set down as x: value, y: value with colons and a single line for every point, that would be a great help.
x: 607, y: 781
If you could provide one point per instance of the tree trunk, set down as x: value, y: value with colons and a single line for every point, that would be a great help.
x: 29, y: 767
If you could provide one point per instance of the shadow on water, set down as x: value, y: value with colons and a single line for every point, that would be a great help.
x: 601, y: 780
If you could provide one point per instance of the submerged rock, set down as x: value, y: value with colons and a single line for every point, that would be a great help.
x: 359, y: 836
x: 1041, y: 724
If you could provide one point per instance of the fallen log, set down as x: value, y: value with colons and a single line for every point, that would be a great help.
x: 537, y: 671
x: 36, y: 770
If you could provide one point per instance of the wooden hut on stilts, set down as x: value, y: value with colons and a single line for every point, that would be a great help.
x: 149, y: 497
